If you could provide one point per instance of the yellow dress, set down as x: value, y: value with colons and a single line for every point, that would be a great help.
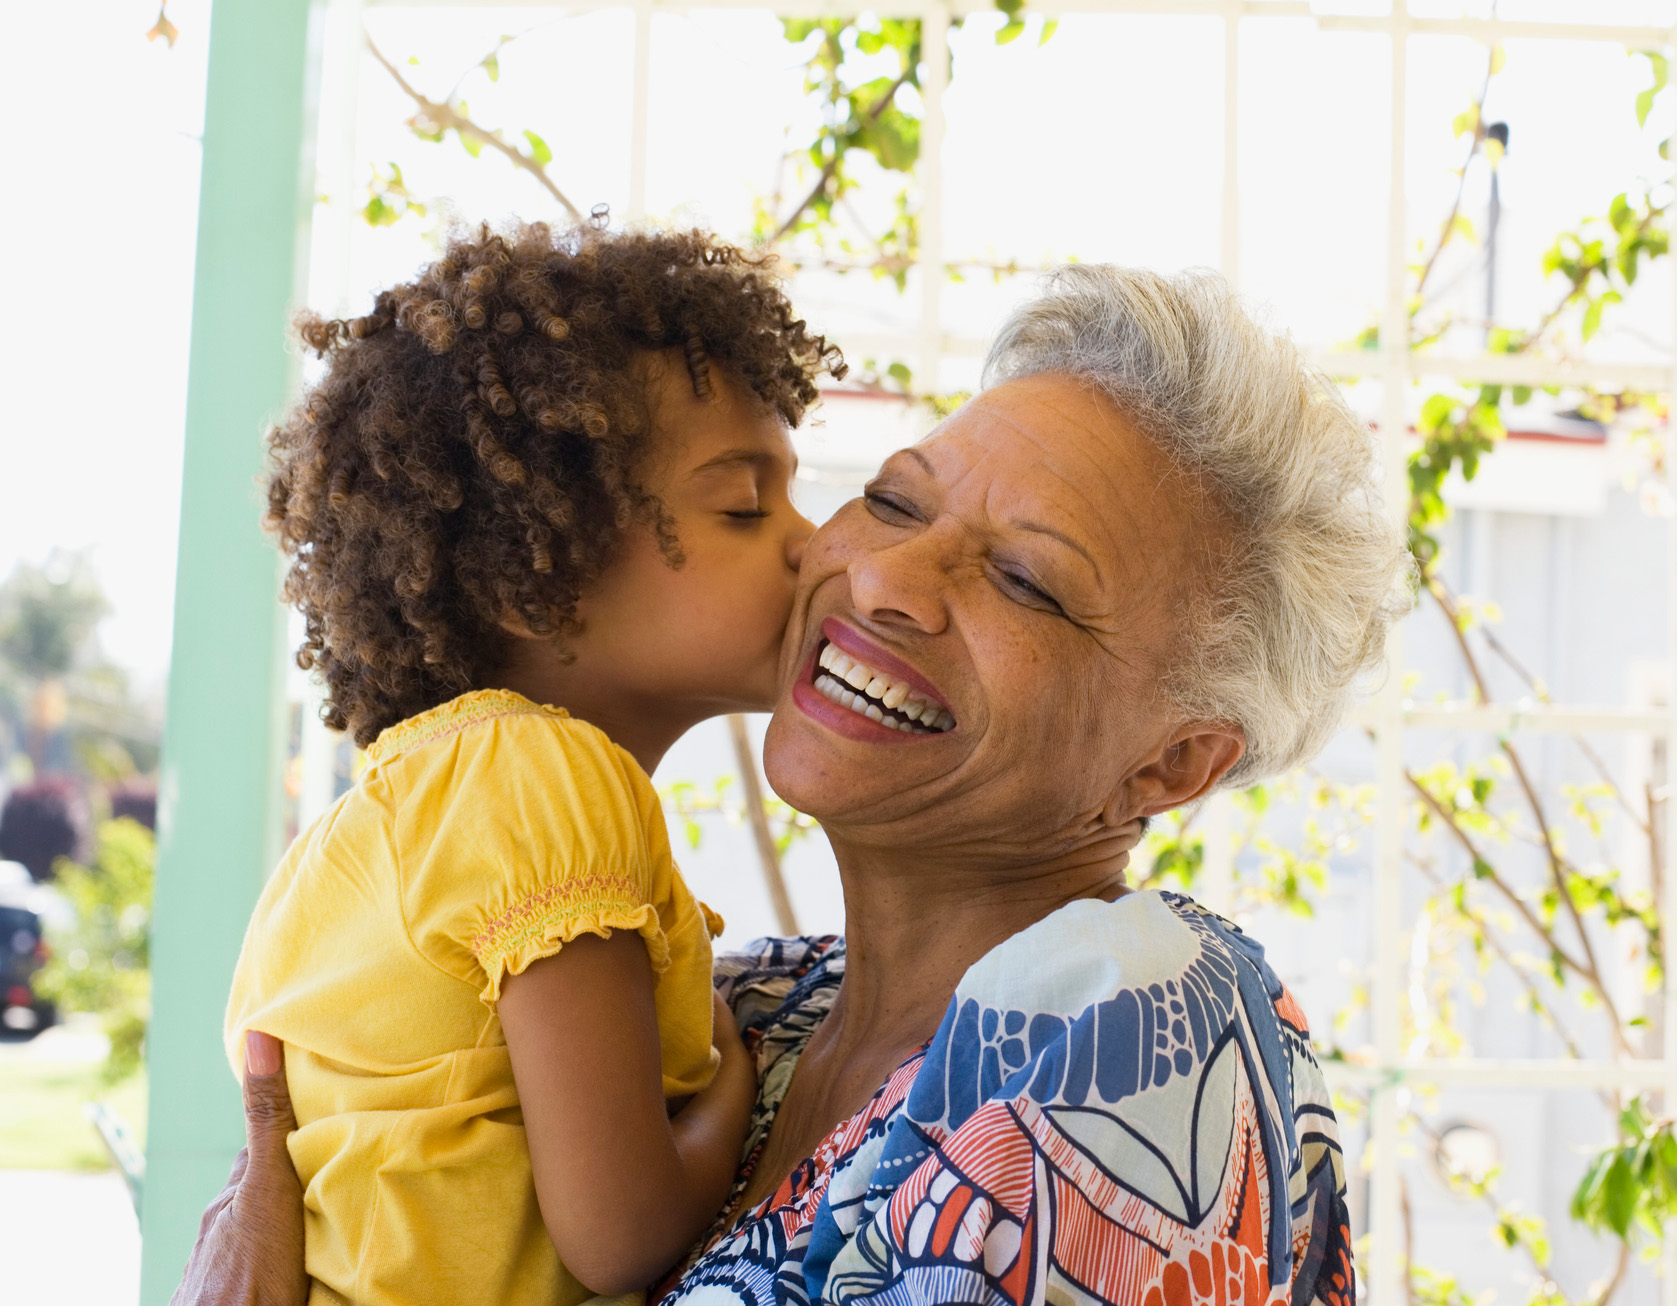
x: 484, y: 835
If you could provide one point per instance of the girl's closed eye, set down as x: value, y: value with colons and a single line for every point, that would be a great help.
x: 746, y: 514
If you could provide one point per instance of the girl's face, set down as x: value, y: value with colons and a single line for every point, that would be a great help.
x: 677, y: 644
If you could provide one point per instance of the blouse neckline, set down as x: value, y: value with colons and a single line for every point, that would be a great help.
x: 455, y: 715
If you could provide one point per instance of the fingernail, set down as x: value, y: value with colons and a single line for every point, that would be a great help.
x: 262, y: 1054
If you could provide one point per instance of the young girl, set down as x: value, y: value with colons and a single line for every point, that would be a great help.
x: 538, y: 519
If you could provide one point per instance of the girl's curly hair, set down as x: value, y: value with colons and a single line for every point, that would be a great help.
x: 470, y: 452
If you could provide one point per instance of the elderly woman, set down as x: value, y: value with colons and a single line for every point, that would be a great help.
x: 1148, y: 560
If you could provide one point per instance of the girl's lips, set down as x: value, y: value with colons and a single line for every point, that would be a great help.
x: 870, y: 654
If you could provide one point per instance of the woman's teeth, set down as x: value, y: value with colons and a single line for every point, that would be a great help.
x: 872, y: 694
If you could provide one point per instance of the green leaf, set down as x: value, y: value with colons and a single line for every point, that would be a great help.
x: 540, y: 153
x: 473, y: 145
x: 1522, y: 394
x: 1644, y: 104
x: 1620, y: 214
x: 1011, y: 31
x: 1466, y: 121
x: 1482, y: 869
x: 900, y: 373
x: 1592, y: 319
x: 492, y: 66
x: 1618, y: 1194
x: 1049, y: 27
x: 1436, y: 412
x: 1586, y: 1198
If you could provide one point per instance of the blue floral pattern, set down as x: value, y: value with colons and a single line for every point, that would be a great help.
x: 1121, y: 1106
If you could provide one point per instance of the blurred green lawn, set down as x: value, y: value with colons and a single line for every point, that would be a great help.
x: 41, y: 1122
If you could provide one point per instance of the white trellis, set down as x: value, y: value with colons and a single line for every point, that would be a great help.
x: 1395, y: 366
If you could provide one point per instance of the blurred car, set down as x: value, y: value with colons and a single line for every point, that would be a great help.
x: 23, y: 949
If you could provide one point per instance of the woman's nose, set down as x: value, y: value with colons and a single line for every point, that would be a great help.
x: 903, y: 583
x: 796, y: 537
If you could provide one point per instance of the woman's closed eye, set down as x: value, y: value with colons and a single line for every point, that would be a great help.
x: 890, y: 507
x: 1023, y: 588
x: 746, y: 514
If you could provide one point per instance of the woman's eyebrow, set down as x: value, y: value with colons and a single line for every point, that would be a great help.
x: 1040, y: 529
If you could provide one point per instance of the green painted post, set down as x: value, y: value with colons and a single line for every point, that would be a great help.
x: 222, y: 746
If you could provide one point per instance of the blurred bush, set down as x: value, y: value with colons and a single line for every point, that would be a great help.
x: 103, y: 963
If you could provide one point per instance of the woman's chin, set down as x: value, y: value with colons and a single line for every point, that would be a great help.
x: 812, y: 760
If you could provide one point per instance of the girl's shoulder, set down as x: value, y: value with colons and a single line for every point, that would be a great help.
x: 495, y: 749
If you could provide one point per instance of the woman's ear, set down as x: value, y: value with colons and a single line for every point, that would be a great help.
x: 1186, y: 769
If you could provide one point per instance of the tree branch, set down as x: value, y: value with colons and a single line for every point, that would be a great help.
x: 832, y: 164
x: 1461, y: 184
x: 444, y: 116
x: 767, y: 854
x: 1533, y: 993
x: 1494, y: 878
x: 1558, y: 866
x: 1544, y: 696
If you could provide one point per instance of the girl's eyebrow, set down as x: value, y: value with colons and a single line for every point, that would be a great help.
x: 748, y: 457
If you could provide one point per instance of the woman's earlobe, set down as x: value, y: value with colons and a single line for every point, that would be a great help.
x: 1187, y: 769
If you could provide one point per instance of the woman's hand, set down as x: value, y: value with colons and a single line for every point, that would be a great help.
x: 250, y: 1245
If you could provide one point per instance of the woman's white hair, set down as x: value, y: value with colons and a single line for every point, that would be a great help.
x: 1296, y: 611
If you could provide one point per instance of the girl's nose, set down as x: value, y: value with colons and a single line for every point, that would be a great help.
x: 796, y: 537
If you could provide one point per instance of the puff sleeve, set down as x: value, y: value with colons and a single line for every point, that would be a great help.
x: 525, y: 832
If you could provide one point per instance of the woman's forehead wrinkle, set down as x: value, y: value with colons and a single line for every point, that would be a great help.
x: 1086, y: 469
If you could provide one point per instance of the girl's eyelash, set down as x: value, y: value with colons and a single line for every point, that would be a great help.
x: 753, y: 514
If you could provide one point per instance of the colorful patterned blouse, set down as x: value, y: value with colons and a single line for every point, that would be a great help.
x: 1120, y: 1106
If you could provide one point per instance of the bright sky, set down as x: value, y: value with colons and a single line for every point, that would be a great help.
x: 1104, y: 144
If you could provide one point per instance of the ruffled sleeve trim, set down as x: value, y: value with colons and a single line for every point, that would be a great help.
x: 542, y: 923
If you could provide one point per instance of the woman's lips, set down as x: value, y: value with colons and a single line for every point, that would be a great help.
x: 864, y: 692
x: 861, y: 649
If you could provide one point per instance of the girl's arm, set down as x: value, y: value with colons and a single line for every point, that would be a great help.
x: 624, y: 1189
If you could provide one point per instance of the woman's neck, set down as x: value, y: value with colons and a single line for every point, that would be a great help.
x: 913, y: 929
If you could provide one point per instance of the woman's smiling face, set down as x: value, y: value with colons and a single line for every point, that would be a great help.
x: 977, y: 644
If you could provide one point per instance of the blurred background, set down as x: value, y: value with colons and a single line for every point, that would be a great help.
x: 1461, y: 209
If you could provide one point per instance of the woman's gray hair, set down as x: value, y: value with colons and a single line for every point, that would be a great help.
x: 1296, y: 613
